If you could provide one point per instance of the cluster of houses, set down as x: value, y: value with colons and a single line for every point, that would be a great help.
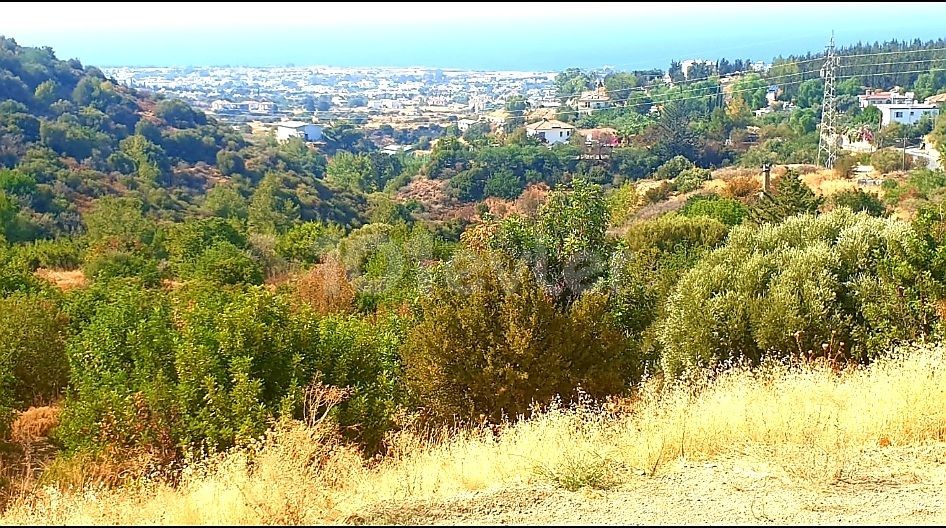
x: 900, y: 108
x: 245, y: 107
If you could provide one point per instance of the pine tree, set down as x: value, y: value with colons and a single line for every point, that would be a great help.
x: 791, y: 196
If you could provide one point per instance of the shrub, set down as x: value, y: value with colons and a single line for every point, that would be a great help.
x: 62, y: 254
x: 308, y: 242
x: 658, y: 194
x: 325, y: 288
x: 858, y: 200
x: 224, y: 263
x: 622, y: 202
x: 673, y: 232
x: 187, y: 241
x: 491, y: 342
x: 845, y: 164
x: 842, y: 284
x: 33, y: 365
x: 742, y: 188
x: 889, y: 160
x: 672, y: 168
x: 727, y: 210
x: 691, y: 179
x: 111, y: 264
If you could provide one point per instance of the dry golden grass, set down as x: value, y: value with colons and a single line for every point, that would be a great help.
x: 810, y: 421
x: 63, y: 279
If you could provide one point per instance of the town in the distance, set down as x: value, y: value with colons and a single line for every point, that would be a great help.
x: 420, y: 102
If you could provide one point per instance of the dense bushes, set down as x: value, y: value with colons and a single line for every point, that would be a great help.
x: 211, y: 367
x: 841, y: 284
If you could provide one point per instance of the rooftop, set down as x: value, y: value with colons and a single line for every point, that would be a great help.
x: 549, y: 124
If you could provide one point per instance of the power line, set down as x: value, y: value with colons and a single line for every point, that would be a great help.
x: 828, y: 138
x: 666, y: 100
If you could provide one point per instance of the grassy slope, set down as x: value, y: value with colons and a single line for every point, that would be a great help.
x: 811, y: 427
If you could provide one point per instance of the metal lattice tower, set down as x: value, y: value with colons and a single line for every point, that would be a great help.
x: 828, y: 144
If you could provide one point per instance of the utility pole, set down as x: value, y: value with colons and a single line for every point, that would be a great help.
x: 766, y: 172
x: 828, y: 143
x: 903, y: 160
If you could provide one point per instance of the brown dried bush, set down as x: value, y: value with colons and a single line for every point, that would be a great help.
x: 741, y: 187
x: 325, y: 288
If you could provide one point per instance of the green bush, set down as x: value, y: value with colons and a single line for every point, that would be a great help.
x: 212, y: 367
x: 33, y: 365
x: 859, y: 200
x: 672, y: 232
x: 491, y: 343
x: 727, y: 210
x: 842, y: 284
x: 225, y: 263
x: 61, y: 254
x: 309, y: 242
x: 111, y: 264
x: 889, y: 160
x: 691, y: 179
x: 673, y: 168
x: 122, y: 373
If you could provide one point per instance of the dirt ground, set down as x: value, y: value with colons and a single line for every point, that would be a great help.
x: 881, y: 486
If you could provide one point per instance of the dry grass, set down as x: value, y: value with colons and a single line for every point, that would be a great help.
x: 812, y: 421
x: 63, y: 279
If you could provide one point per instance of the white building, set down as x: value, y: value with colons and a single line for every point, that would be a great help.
x: 551, y: 131
x: 593, y: 100
x: 876, y: 97
x: 291, y: 129
x: 905, y: 113
x: 464, y: 124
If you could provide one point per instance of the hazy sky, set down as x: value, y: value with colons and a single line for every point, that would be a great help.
x: 469, y: 35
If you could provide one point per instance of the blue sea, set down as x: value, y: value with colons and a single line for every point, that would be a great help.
x: 760, y: 32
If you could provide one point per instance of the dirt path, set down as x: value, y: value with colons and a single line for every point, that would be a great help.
x: 883, y: 486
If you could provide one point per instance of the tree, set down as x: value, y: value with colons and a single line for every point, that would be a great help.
x: 179, y: 114
x: 490, y: 343
x: 810, y: 93
x: 230, y: 163
x: 225, y: 201
x: 272, y: 208
x: 516, y: 107
x: 751, y: 88
x: 620, y: 84
x: 791, y: 196
x: 309, y: 242
x: 938, y: 136
x: 571, y: 227
x: 350, y: 171
x: 118, y: 222
x: 672, y: 168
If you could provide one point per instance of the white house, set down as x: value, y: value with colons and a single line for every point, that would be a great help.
x: 464, y: 124
x: 291, y: 129
x: 593, y: 100
x: 905, y: 113
x: 876, y: 97
x: 550, y: 130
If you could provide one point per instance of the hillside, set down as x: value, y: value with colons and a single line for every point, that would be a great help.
x: 69, y: 136
x: 201, y: 327
x: 797, y: 445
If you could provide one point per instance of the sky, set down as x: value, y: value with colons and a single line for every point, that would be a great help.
x: 462, y: 35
